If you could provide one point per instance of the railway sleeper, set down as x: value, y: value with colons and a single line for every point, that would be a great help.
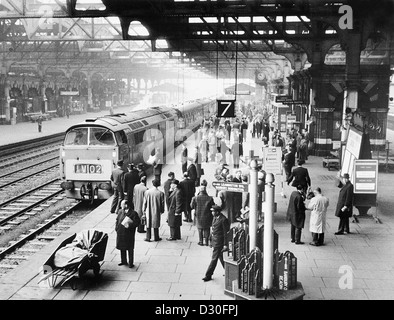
x: 15, y: 223
x: 46, y: 237
x: 37, y: 242
x: 31, y: 213
x: 28, y: 250
x: 8, y: 266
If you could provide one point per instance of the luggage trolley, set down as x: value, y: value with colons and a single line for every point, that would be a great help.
x: 74, y: 257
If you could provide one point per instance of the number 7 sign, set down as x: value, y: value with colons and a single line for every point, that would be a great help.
x: 226, y: 108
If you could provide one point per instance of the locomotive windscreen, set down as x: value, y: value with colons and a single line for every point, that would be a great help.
x: 90, y: 136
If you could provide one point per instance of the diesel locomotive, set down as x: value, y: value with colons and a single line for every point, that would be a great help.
x: 92, y: 148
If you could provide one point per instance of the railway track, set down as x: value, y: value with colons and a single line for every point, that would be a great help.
x: 50, y: 151
x: 16, y: 210
x: 33, y: 171
x: 35, y: 239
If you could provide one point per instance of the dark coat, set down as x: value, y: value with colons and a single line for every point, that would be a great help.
x: 220, y: 227
x: 289, y: 161
x: 175, y: 208
x: 117, y: 179
x: 166, y: 188
x: 345, y: 198
x: 203, y: 203
x: 131, y: 179
x: 228, y: 205
x: 125, y: 237
x: 188, y: 189
x: 300, y: 176
x: 296, y: 210
x: 192, y: 172
x: 141, y: 174
x: 157, y: 169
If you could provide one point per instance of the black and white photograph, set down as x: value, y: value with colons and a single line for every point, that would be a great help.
x: 192, y: 156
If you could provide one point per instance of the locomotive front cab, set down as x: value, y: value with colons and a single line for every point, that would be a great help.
x: 88, y: 156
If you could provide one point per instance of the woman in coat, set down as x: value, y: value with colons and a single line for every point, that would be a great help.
x: 125, y: 236
x: 175, y: 210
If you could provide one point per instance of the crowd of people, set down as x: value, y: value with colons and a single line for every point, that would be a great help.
x: 189, y: 197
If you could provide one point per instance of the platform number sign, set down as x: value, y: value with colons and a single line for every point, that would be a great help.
x: 226, y: 108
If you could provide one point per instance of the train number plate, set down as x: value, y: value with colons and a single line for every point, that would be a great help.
x: 88, y: 168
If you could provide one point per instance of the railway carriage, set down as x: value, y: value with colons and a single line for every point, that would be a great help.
x: 92, y: 148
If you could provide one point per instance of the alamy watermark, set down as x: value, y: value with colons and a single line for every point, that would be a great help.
x: 346, y: 280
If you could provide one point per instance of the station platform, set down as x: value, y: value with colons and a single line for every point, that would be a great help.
x: 29, y: 130
x: 174, y: 270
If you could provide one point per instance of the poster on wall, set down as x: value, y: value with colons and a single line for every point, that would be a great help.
x: 353, y: 143
x: 351, y: 152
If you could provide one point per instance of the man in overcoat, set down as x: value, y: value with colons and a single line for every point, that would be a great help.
x: 296, y: 214
x: 175, y: 210
x: 344, y: 208
x: 138, y: 201
x: 184, y: 156
x: 202, y: 204
x: 125, y: 236
x: 167, y: 186
x: 152, y: 209
x: 289, y: 161
x: 188, y: 189
x: 219, y: 229
x: 117, y: 183
x: 131, y: 179
x: 158, y: 165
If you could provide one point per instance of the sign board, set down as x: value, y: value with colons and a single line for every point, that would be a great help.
x: 226, y: 108
x: 230, y: 186
x: 291, y: 118
x: 293, y: 102
x: 336, y: 145
x: 283, y: 98
x: 365, y: 179
x: 272, y: 160
x: 69, y: 93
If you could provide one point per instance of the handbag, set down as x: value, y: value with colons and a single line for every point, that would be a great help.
x: 126, y: 222
x: 202, y: 171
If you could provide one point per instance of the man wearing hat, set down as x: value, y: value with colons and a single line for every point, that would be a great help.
x: 175, y: 209
x: 344, y: 208
x: 117, y: 184
x: 219, y: 229
x: 188, y: 190
x: 201, y: 205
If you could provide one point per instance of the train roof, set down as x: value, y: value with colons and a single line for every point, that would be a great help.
x: 134, y: 119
